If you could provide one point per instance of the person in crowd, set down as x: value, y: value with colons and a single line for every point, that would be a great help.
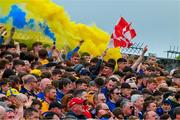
x: 177, y: 113
x: 81, y: 84
x: 64, y: 86
x: 43, y: 54
x: 127, y: 108
x: 150, y: 115
x: 30, y: 84
x: 109, y: 84
x: 19, y: 66
x: 138, y: 101
x: 114, y: 96
x: 43, y: 84
x: 46, y: 83
x: 36, y: 47
x: 99, y: 98
x: 50, y: 116
x: 76, y: 110
x: 31, y: 114
x: 50, y: 96
x: 126, y: 91
x: 103, y: 112
x: 2, y: 112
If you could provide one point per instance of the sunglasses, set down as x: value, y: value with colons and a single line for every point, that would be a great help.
x: 117, y: 93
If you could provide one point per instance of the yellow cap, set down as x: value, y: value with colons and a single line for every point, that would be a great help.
x: 36, y: 72
x: 12, y: 92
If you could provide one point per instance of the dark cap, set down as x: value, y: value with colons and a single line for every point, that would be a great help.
x: 125, y: 85
x: 166, y: 101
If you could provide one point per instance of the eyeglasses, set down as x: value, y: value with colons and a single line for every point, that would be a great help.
x: 106, y: 109
x: 117, y: 93
x: 103, y: 100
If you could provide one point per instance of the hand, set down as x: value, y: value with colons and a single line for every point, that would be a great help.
x: 1, y: 26
x: 105, y: 52
x: 16, y: 43
x: 81, y: 42
x: 3, y: 31
x: 29, y: 102
x: 12, y: 31
x: 145, y: 49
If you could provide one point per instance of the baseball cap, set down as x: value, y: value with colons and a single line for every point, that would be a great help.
x: 166, y: 101
x: 75, y: 100
x: 12, y: 92
x: 36, y: 72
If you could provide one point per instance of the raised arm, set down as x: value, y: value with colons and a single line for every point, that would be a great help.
x: 139, y: 60
x: 69, y: 54
x: 10, y: 36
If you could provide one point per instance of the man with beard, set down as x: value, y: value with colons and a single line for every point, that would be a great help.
x: 50, y: 96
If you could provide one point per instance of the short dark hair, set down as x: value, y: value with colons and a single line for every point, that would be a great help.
x: 113, y: 61
x: 120, y: 60
x: 110, y: 65
x: 164, y: 116
x: 63, y: 82
x: 151, y: 80
x: 18, y: 62
x: 49, y: 115
x: 43, y: 53
x: 36, y: 44
x: 36, y: 102
x: 10, y: 46
x: 56, y: 71
x: 29, y: 112
x: 3, y: 62
x: 81, y: 81
x: 85, y: 54
x: 176, y: 111
x: 94, y: 60
x: 117, y: 111
x: 99, y: 81
x: 22, y: 45
x: 46, y: 75
x: 54, y: 105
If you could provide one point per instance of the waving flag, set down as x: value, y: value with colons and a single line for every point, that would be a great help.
x: 122, y: 35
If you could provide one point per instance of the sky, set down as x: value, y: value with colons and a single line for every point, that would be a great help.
x: 157, y: 22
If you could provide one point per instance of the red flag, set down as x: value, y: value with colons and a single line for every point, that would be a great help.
x: 122, y: 34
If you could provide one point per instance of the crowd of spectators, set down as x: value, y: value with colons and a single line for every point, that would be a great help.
x: 51, y: 84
